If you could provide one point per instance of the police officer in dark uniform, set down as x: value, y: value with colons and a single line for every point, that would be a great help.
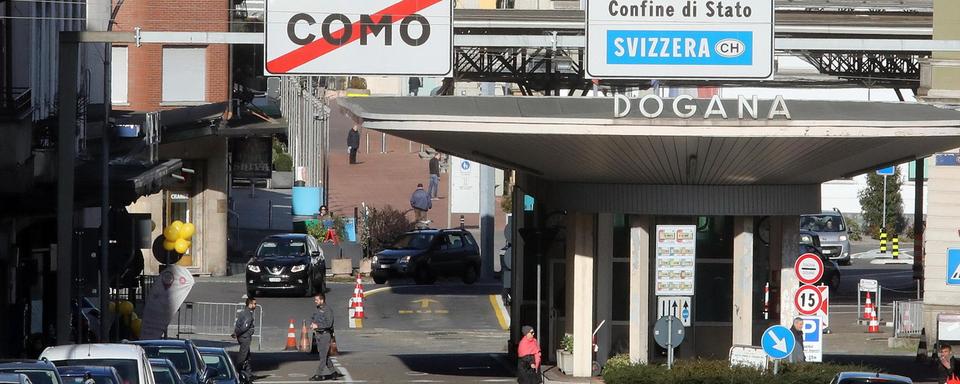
x: 243, y: 332
x: 322, y: 324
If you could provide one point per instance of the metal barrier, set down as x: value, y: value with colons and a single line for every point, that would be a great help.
x: 907, y: 318
x: 215, y: 319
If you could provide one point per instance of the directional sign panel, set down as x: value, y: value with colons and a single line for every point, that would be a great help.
x: 678, y: 306
x: 366, y: 37
x: 888, y: 171
x: 808, y: 300
x: 953, y: 266
x: 809, y: 268
x: 680, y: 39
x: 778, y: 342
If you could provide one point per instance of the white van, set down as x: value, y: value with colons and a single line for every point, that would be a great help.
x: 129, y: 360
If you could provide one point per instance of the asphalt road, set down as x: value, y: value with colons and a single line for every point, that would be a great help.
x: 896, y: 280
x: 442, y: 333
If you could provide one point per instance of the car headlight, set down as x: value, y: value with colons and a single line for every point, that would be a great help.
x: 405, y: 259
x: 298, y: 268
x: 806, y: 239
x: 374, y: 260
x: 843, y: 238
x: 253, y: 268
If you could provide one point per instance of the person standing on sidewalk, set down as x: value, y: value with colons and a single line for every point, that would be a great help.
x: 243, y: 332
x: 353, y: 143
x: 797, y: 356
x: 322, y: 325
x: 528, y: 368
x: 946, y: 364
x: 434, y: 187
x: 420, y: 202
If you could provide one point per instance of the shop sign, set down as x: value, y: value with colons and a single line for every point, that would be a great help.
x: 685, y: 107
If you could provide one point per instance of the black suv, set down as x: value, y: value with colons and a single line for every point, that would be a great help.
x: 287, y: 262
x: 428, y: 253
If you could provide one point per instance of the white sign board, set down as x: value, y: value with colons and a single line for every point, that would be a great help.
x: 677, y: 306
x: 369, y: 37
x: 166, y: 295
x: 813, y: 339
x: 680, y: 39
x: 748, y: 356
x: 868, y: 285
x: 676, y: 260
x: 464, y: 185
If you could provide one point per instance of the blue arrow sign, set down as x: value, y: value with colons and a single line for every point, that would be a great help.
x: 778, y: 342
x: 888, y: 171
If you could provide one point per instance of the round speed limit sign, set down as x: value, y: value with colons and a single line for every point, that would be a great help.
x: 808, y: 300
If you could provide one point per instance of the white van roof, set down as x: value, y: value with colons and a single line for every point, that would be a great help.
x: 92, y: 351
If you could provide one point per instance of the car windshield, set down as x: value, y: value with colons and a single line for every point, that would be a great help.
x: 282, y: 248
x: 163, y: 375
x: 37, y: 376
x: 218, y: 362
x: 78, y: 379
x: 822, y: 223
x: 177, y: 356
x: 126, y: 368
x: 870, y: 380
x: 413, y: 241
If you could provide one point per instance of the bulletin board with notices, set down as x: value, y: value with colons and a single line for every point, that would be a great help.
x: 676, y: 259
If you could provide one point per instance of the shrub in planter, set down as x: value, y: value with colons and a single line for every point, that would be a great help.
x: 380, y: 226
x: 619, y: 370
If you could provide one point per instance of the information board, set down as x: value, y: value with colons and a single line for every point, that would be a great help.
x: 676, y: 259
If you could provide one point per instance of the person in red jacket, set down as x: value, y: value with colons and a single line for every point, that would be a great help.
x: 528, y: 370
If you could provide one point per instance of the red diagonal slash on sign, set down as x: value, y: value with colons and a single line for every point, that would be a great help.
x: 321, y: 47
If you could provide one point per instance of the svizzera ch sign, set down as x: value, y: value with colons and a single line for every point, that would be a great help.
x: 680, y: 39
x: 359, y: 37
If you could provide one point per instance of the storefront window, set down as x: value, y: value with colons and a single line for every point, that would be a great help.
x: 714, y: 276
x: 179, y: 207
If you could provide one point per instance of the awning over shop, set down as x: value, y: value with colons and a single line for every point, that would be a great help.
x: 578, y: 140
x: 127, y: 182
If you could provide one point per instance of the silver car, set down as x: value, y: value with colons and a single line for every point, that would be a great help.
x: 833, y: 233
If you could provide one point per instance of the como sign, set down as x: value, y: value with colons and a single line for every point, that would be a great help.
x: 680, y: 39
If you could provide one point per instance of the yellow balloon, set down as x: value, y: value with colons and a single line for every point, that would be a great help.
x: 135, y: 325
x: 172, y: 232
x: 112, y: 307
x: 187, y: 230
x: 169, y: 245
x: 133, y: 316
x: 126, y: 308
x: 181, y: 246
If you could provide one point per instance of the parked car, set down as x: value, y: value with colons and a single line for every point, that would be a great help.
x: 219, y: 358
x: 14, y: 378
x: 164, y: 372
x: 833, y: 232
x: 869, y: 377
x: 39, y: 372
x: 810, y: 243
x: 184, y: 356
x: 129, y: 360
x: 428, y: 253
x: 287, y: 262
x: 100, y: 375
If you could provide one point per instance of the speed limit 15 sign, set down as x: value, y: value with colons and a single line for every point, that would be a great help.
x: 359, y: 37
x: 808, y: 300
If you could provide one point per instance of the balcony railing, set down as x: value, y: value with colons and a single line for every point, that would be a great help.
x: 15, y: 103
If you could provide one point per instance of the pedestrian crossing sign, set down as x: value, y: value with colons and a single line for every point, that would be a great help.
x: 953, y: 266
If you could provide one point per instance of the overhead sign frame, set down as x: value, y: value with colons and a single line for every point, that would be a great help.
x: 677, y: 31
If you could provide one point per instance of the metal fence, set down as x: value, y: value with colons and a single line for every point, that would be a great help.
x: 215, y: 319
x: 304, y: 107
x: 908, y: 318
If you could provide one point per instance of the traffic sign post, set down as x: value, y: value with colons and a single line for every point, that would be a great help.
x: 812, y: 339
x: 371, y: 37
x: 953, y: 266
x: 778, y: 342
x: 808, y: 300
x: 668, y: 333
x: 808, y: 268
x: 678, y: 306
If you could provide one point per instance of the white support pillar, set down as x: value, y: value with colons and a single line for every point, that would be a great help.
x: 604, y: 278
x: 640, y: 228
x: 789, y: 251
x: 743, y: 281
x: 583, y: 288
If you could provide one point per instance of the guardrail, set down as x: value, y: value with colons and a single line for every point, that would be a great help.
x: 907, y: 318
x: 215, y: 319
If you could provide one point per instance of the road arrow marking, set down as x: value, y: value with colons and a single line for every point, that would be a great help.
x: 778, y: 343
x: 425, y: 303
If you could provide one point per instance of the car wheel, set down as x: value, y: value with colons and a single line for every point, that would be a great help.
x: 379, y: 279
x: 846, y: 262
x: 423, y: 276
x: 470, y: 275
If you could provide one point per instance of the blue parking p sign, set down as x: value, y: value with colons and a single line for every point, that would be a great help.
x: 953, y: 266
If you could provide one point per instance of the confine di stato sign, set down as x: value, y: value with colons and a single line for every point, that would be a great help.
x: 680, y: 39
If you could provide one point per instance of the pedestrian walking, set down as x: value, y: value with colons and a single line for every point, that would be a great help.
x: 528, y: 368
x: 946, y: 364
x: 434, y: 187
x: 797, y: 355
x: 413, y: 85
x: 353, y: 143
x: 322, y: 324
x: 420, y: 201
x: 243, y: 332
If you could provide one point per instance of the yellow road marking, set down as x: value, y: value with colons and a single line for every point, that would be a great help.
x: 425, y: 302
x: 405, y: 311
x: 496, y: 309
x: 376, y: 291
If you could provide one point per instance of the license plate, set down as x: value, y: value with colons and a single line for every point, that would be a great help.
x: 274, y: 279
x: 827, y: 251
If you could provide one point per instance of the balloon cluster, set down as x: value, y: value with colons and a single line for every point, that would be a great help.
x: 176, y: 236
x: 129, y: 321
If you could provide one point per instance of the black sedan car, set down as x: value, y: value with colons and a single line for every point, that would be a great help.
x: 287, y: 262
x: 426, y: 254
x: 185, y: 357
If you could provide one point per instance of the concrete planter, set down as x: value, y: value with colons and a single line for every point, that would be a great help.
x: 281, y: 180
x: 366, y: 266
x: 565, y: 361
x: 341, y: 267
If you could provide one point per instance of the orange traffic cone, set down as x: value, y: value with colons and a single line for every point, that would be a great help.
x: 304, y: 339
x: 291, y: 338
x: 868, y: 308
x: 358, y: 300
x: 874, y: 325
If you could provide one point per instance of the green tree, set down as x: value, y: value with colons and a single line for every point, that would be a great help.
x: 871, y: 201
